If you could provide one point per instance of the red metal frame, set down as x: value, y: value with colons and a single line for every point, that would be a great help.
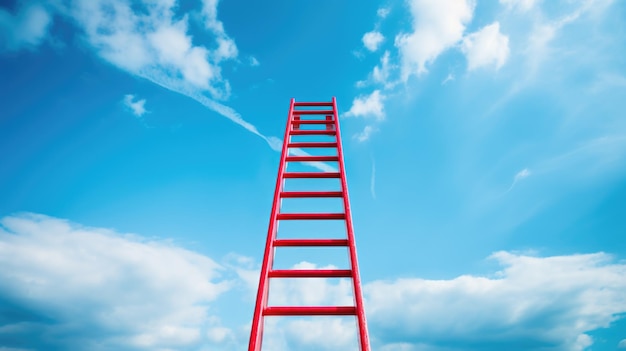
x: 294, y: 122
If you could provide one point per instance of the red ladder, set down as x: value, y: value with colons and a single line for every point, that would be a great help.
x: 261, y: 310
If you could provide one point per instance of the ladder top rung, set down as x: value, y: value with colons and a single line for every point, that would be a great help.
x: 329, y: 104
x: 313, y: 112
x: 311, y: 175
x: 310, y: 242
x: 312, y: 132
x: 312, y: 121
x: 310, y: 216
x: 312, y: 144
x: 294, y: 194
x: 310, y: 273
x: 311, y: 158
x: 310, y: 311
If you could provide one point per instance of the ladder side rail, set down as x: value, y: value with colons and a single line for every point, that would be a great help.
x: 256, y: 334
x: 356, y: 279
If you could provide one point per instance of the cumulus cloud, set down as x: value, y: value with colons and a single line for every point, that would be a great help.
x: 150, y: 40
x: 322, y: 333
x: 486, y: 47
x: 531, y: 303
x: 534, y: 303
x: 64, y: 286
x: 437, y: 26
x: 137, y: 107
x: 368, y: 106
x: 25, y: 29
x: 311, y: 291
x: 142, y: 42
x: 132, y: 293
x: 372, y: 40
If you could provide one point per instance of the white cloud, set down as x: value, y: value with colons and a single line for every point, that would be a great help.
x: 27, y: 28
x: 486, y: 47
x: 365, y: 134
x: 380, y: 74
x: 254, y: 62
x: 310, y: 291
x: 449, y: 78
x: 372, y: 40
x: 383, y: 12
x: 154, y: 44
x: 542, y: 302
x: 129, y: 292
x: 522, y: 5
x: 322, y: 333
x: 153, y: 41
x: 368, y: 106
x: 622, y: 344
x: 437, y: 26
x: 521, y: 174
x: 137, y: 107
x: 524, y: 173
x: 539, y: 302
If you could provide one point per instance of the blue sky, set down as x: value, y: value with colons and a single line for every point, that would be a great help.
x: 485, y: 146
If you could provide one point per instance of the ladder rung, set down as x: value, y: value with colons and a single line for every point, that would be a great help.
x: 313, y: 121
x: 310, y: 144
x: 310, y: 273
x: 313, y: 132
x: 311, y: 158
x: 311, y: 175
x: 310, y: 242
x: 310, y: 311
x: 292, y: 194
x: 329, y: 104
x: 314, y: 112
x: 305, y: 216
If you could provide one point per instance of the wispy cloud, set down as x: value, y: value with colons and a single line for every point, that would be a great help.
x: 521, y: 5
x: 486, y: 47
x: 254, y: 62
x: 524, y: 173
x: 365, y: 134
x: 324, y: 167
x: 449, y: 78
x: 368, y: 106
x: 137, y: 107
x: 622, y: 344
x: 383, y: 12
x: 154, y: 44
x: 25, y: 29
